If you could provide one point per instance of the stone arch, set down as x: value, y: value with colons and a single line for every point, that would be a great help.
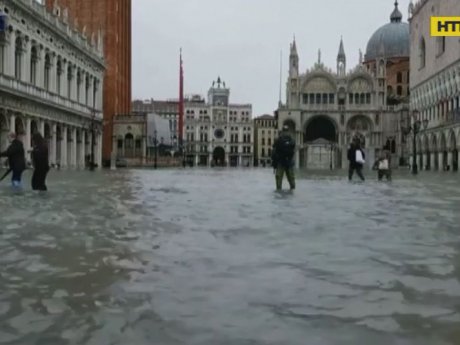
x: 319, y: 82
x: 321, y: 127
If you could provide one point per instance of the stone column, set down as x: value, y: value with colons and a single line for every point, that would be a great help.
x: 10, y: 54
x: 90, y: 92
x: 424, y: 159
x: 25, y: 73
x: 440, y: 161
x: 433, y: 160
x: 40, y: 68
x: 64, y: 79
x: 41, y: 127
x: 73, y: 95
x: 144, y: 149
x: 99, y: 150
x: 53, y: 73
x: 53, y: 148
x: 27, y: 138
x: 73, y: 156
x: 450, y: 160
x: 64, y: 147
x: 13, y: 123
x: 82, y: 149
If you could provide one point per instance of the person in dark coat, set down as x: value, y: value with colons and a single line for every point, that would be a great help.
x: 283, y: 158
x: 40, y: 162
x: 354, y: 165
x: 16, y: 159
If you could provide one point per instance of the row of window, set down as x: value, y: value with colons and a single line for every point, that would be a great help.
x: 269, y: 141
x: 69, y: 75
x: 356, y: 98
x: 440, y: 111
x: 318, y: 98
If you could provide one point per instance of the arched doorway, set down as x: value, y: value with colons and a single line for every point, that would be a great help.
x: 129, y: 145
x: 321, y: 149
x: 19, y: 127
x: 218, y: 157
x: 320, y: 127
x: 58, y: 145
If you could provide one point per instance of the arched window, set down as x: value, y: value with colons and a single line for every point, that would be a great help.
x: 59, y: 72
x: 87, y: 90
x: 362, y: 98
x: 422, y: 52
x: 399, y: 78
x: 18, y: 58
x: 95, y: 90
x: 393, y: 146
x: 399, y: 90
x: 33, y: 65
x: 263, y: 141
x: 79, y: 82
x: 69, y: 81
x: 47, y: 72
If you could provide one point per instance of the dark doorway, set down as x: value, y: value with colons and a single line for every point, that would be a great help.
x: 320, y: 128
x: 218, y: 157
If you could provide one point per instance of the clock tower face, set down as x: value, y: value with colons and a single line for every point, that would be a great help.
x: 219, y: 133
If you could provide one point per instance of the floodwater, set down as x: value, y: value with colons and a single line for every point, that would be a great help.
x: 202, y: 257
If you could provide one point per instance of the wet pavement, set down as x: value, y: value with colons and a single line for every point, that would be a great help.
x: 217, y: 257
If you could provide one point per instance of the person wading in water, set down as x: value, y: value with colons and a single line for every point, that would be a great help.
x: 356, y: 158
x: 40, y: 162
x: 283, y: 158
x: 16, y: 159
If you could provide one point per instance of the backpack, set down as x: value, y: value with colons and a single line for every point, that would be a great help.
x: 285, y: 147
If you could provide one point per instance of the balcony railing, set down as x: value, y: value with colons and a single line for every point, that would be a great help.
x: 28, y: 90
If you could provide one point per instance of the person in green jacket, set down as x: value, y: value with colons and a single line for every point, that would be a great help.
x: 283, y: 158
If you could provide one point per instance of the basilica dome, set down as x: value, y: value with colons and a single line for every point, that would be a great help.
x: 391, y: 40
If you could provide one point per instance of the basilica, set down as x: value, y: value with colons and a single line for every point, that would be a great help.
x: 326, y: 109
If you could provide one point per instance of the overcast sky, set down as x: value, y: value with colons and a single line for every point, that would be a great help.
x: 241, y: 40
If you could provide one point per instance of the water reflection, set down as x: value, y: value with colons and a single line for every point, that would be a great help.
x: 218, y: 257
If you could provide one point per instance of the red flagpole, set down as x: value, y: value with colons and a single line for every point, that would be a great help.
x: 181, y: 101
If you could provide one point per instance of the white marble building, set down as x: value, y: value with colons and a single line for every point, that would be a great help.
x: 51, y: 81
x: 218, y: 133
x: 435, y: 86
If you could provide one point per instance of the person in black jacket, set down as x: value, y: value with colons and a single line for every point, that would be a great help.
x: 283, y: 158
x: 40, y: 162
x: 16, y: 159
x: 354, y: 165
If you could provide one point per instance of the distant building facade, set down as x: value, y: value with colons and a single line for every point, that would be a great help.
x: 435, y: 86
x: 327, y: 109
x: 219, y: 133
x: 265, y: 134
x: 51, y: 81
x: 216, y: 132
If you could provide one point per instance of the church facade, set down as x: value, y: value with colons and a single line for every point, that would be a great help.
x: 326, y: 109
